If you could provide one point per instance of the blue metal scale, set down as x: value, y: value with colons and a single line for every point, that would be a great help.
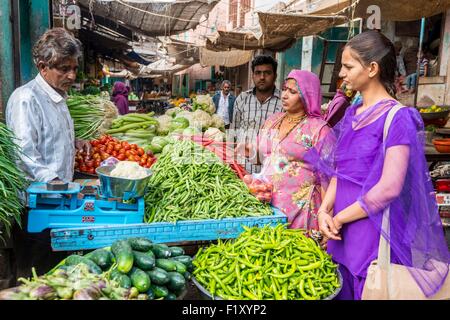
x: 78, y: 206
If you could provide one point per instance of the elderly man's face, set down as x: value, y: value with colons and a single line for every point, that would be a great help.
x: 62, y: 76
x: 226, y: 89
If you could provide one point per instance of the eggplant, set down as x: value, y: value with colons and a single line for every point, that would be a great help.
x: 10, y: 294
x: 43, y: 292
x: 89, y: 293
x: 65, y: 292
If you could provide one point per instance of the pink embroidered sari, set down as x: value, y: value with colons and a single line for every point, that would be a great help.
x: 297, y: 186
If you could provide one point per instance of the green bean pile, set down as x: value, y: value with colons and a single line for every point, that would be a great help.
x: 192, y: 183
x: 12, y: 180
x: 92, y: 115
x: 267, y: 263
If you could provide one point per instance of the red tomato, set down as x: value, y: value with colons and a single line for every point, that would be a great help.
x: 137, y: 158
x: 101, y: 147
x: 128, y: 153
x: 121, y: 157
x: 142, y: 163
x: 91, y: 170
x: 103, y: 140
x: 127, y: 147
x: 83, y: 168
x: 89, y: 163
x: 134, y: 146
x: 114, y: 154
x: 109, y: 150
x: 122, y: 150
x: 140, y: 151
x: 117, y: 147
x: 131, y: 157
x: 144, y: 156
x: 105, y: 155
x: 97, y: 163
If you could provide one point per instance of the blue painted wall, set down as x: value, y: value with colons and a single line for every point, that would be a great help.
x: 6, y: 54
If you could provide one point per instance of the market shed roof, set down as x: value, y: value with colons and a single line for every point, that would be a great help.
x: 224, y: 41
x: 152, y: 18
x: 296, y: 25
x: 230, y: 58
x: 398, y: 10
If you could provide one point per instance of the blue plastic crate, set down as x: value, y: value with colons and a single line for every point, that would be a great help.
x: 160, y: 232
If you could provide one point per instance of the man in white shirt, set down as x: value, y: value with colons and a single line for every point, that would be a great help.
x: 224, y: 102
x: 39, y: 117
x: 37, y: 112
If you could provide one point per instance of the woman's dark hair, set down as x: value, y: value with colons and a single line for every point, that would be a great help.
x: 373, y: 46
x: 260, y: 60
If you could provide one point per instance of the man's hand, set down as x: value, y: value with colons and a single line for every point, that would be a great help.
x: 327, y: 226
x: 83, y: 144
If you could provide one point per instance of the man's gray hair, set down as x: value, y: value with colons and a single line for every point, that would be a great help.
x: 55, y: 45
x: 225, y: 82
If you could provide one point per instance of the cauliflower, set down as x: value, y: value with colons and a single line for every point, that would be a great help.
x: 201, y: 119
x: 204, y: 102
x: 129, y: 170
x: 215, y: 134
x: 164, y: 124
x: 217, y: 122
x: 172, y: 112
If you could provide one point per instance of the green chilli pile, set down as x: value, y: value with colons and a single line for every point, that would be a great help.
x: 192, y: 183
x: 267, y: 263
x: 12, y: 180
x: 92, y: 115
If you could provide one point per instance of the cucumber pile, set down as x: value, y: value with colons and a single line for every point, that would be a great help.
x: 157, y: 271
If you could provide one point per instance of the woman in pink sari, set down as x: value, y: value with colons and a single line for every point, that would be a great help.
x: 284, y: 139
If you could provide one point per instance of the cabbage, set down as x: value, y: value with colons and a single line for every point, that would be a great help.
x: 178, y: 123
x: 201, y: 119
x: 172, y: 112
x: 158, y: 143
x: 164, y: 124
x: 217, y: 122
x: 191, y: 131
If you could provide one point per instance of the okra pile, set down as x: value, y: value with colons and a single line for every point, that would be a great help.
x: 12, y: 180
x: 192, y: 183
x: 267, y: 263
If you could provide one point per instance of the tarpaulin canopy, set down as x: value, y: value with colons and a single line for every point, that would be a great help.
x: 230, y: 58
x: 183, y: 52
x: 395, y: 10
x: 224, y: 41
x: 153, y: 18
x: 296, y: 25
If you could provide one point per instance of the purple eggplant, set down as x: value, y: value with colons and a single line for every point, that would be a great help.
x: 89, y: 293
x: 43, y: 292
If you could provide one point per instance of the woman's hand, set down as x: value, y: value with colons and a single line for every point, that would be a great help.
x: 327, y: 226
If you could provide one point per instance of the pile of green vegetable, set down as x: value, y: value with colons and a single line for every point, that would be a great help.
x: 190, y: 182
x: 133, y: 268
x: 12, y: 181
x: 92, y: 115
x: 267, y: 263
x: 135, y: 128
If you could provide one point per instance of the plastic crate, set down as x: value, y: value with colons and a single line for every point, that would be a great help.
x: 160, y: 232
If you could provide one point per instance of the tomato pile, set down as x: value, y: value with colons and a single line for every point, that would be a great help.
x: 107, y: 146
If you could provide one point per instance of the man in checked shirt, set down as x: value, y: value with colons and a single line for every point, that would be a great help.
x: 253, y: 107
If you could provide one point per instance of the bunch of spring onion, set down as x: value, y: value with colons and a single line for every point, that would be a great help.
x: 92, y: 115
x: 12, y: 181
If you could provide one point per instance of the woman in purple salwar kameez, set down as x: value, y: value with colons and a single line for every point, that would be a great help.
x: 367, y: 176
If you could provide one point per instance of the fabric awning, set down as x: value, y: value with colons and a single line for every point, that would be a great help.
x: 230, y: 58
x: 183, y: 52
x: 224, y: 41
x: 398, y: 10
x: 150, y: 17
x: 296, y: 25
